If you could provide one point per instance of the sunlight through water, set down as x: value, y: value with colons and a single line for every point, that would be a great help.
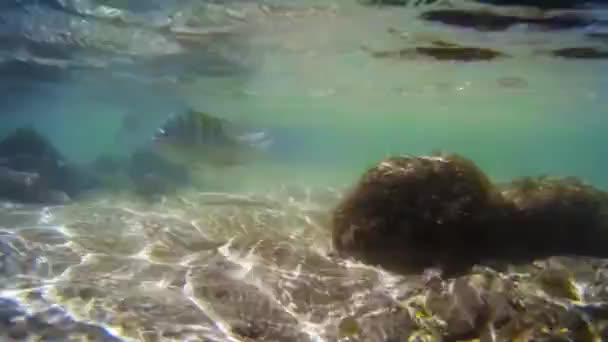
x: 242, y: 251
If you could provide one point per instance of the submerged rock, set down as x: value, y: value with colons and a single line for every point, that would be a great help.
x: 33, y: 170
x: 410, y: 213
x: 556, y: 216
x: 443, y: 53
x: 581, y: 53
x: 545, y: 5
x: 484, y: 20
x: 465, y: 54
x: 16, y: 184
x: 413, y: 212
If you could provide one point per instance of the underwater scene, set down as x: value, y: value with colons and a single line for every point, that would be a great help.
x: 303, y: 170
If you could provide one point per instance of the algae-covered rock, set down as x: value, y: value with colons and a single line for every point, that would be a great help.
x: 418, y: 211
x: 558, y: 216
x: 411, y: 213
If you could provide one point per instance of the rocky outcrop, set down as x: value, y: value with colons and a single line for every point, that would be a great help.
x: 556, y: 216
x: 411, y: 213
x: 581, y: 53
x: 33, y: 170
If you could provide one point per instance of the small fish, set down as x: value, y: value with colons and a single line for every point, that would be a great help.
x: 195, y: 137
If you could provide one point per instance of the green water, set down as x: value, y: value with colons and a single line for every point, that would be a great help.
x: 343, y: 110
x: 314, y: 77
x: 259, y: 265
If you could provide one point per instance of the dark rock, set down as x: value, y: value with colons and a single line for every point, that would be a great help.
x: 581, y: 53
x: 10, y: 177
x: 32, y: 170
x: 411, y: 213
x: 556, y: 216
x: 459, y: 53
x: 484, y: 20
x: 151, y: 174
x: 464, y: 54
x: 401, y: 2
x: 545, y: 5
x: 408, y: 213
x: 28, y: 142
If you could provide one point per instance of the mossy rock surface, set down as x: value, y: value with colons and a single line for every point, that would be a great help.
x: 407, y: 214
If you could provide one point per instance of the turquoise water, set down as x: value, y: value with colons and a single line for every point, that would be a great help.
x: 331, y: 105
x: 213, y: 265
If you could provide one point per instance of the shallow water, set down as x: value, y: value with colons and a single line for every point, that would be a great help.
x: 256, y: 263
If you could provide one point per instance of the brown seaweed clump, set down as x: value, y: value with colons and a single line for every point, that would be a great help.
x: 411, y: 213
x: 558, y: 216
x: 417, y: 212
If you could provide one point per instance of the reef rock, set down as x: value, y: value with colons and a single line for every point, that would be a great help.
x: 32, y: 170
x: 407, y: 214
